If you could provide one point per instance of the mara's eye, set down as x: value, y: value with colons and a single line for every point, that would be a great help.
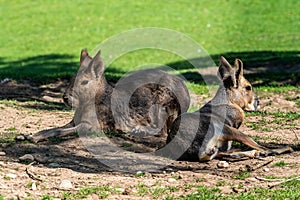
x: 84, y: 82
x: 248, y: 87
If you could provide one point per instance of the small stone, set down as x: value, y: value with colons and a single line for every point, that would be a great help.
x: 65, y: 185
x: 33, y: 186
x: 139, y: 172
x: 2, y: 164
x: 172, y: 180
x: 11, y: 175
x: 27, y: 157
x: 223, y: 164
x: 2, y: 153
x: 20, y: 138
x: 252, y: 179
x: 134, y: 190
x: 266, y: 169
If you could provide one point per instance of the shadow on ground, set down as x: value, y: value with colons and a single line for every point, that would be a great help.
x: 262, y: 68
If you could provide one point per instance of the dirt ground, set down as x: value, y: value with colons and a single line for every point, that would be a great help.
x: 65, y: 166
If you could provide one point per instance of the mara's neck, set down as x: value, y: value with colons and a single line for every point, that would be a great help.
x: 221, y: 97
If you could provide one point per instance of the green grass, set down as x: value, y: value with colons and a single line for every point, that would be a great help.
x: 280, y: 164
x: 242, y: 175
x: 288, y: 190
x: 102, y: 192
x: 273, y: 120
x: 41, y: 40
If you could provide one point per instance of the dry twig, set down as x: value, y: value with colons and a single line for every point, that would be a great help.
x: 285, y: 181
x: 262, y: 165
x: 30, y: 174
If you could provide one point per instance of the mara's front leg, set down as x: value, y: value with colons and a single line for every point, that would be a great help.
x: 66, y: 130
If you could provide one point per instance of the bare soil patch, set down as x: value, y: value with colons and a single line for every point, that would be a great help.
x: 68, y: 159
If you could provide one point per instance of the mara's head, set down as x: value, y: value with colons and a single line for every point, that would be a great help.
x: 239, y: 89
x: 85, y: 84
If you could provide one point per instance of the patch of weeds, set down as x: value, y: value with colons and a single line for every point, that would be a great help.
x: 298, y: 102
x: 9, y: 103
x: 7, y: 137
x: 102, y: 192
x: 11, y: 129
x: 242, y: 175
x: 240, y: 186
x: 287, y: 116
x: 197, y: 180
x: 280, y: 164
x: 253, y: 125
x: 172, y: 188
x: 157, y: 183
x: 29, y: 185
x: 1, y: 197
x: 203, y: 193
x: 47, y: 197
x: 66, y: 195
x: 189, y: 186
x: 157, y: 192
x: 292, y: 176
x: 293, y: 184
x: 256, y: 113
x: 221, y: 183
x: 271, y: 177
x: 142, y: 189
x: 28, y: 198
x: 169, y: 197
x: 267, y: 129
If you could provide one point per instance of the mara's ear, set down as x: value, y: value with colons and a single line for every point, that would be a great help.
x: 96, y: 67
x: 239, y: 70
x: 85, y: 59
x: 83, y: 55
x: 226, y: 73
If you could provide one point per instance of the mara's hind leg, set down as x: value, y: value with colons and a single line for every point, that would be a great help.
x: 239, y: 154
x: 233, y: 134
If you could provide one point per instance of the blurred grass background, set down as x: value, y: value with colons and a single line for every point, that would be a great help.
x: 41, y: 40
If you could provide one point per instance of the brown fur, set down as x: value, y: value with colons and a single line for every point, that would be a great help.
x: 150, y: 110
x: 209, y: 132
